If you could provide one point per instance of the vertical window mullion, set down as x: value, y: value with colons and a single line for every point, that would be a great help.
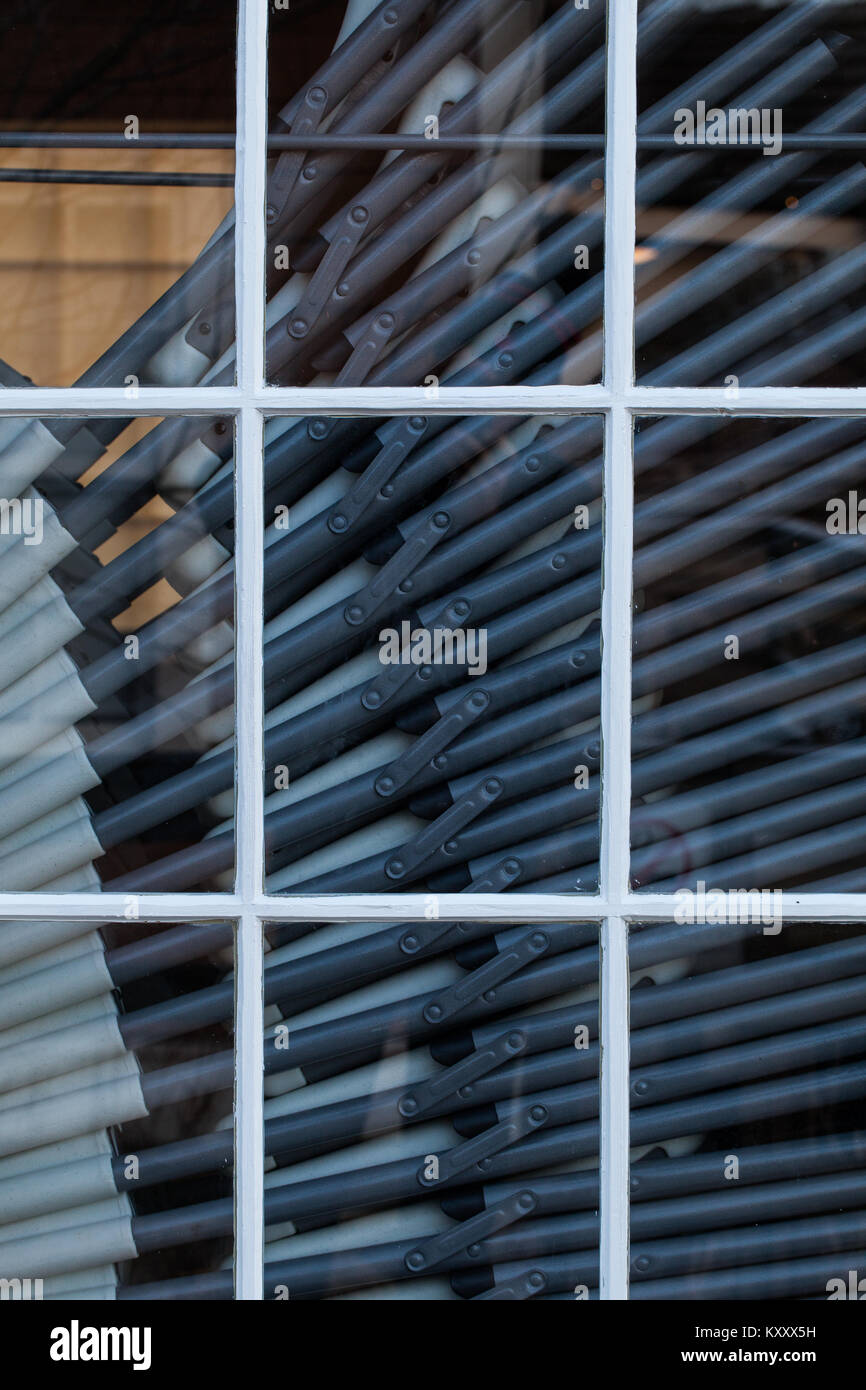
x: 620, y: 165
x: 249, y: 1112
x: 250, y: 179
x: 614, y: 1110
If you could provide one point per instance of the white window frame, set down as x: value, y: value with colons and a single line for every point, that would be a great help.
x: 251, y: 401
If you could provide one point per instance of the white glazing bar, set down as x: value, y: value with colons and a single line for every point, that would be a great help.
x: 614, y: 1110
x: 748, y: 400
x: 250, y: 179
x: 620, y: 129
x: 791, y: 906
x: 249, y: 840
x: 526, y: 907
x: 102, y: 908
x: 449, y: 400
x: 120, y: 907
x: 408, y: 400
x: 415, y: 907
x: 570, y: 400
x: 117, y: 400
x: 614, y: 856
x: 249, y: 1118
x: 616, y: 655
x: 249, y: 719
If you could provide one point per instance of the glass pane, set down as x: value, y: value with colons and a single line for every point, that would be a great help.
x: 472, y: 252
x: 749, y: 652
x: 751, y: 196
x: 116, y: 1072
x: 431, y: 1111
x: 116, y: 652
x: 432, y: 654
x: 747, y: 1086
x: 104, y: 275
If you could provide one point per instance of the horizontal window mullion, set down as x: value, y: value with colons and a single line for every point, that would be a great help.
x: 754, y: 400
x: 503, y: 907
x: 117, y: 401
x: 517, y: 400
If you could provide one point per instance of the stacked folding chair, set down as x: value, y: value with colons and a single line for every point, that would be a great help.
x: 431, y: 673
